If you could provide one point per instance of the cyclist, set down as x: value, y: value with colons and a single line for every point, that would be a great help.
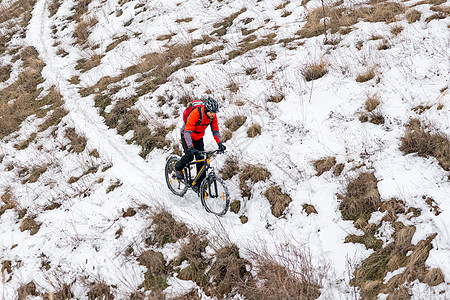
x: 192, y: 134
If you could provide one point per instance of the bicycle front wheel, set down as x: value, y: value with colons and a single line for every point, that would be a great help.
x: 177, y: 187
x: 214, y: 195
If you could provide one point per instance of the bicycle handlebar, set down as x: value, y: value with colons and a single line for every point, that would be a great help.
x: 209, y: 153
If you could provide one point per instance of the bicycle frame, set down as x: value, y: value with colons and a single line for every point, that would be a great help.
x: 205, y: 167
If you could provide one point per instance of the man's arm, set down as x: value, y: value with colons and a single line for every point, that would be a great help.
x: 215, y: 130
x: 190, y: 126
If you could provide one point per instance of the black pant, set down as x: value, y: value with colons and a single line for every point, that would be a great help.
x: 188, y: 157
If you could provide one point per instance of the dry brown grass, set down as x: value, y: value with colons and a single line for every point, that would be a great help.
x: 366, y: 75
x: 85, y: 64
x: 83, y: 30
x: 194, y: 253
x: 155, y: 278
x: 116, y: 42
x: 235, y: 206
x: 252, y: 174
x: 77, y: 142
x: 324, y: 165
x: 250, y: 43
x: 385, y: 12
x: 418, y: 139
x: 5, y: 72
x: 367, y: 240
x: 396, y: 29
x: 9, y: 202
x: 434, y: 277
x: 432, y: 205
x: 100, y: 290
x: 113, y: 186
x: 314, y: 70
x: 54, y: 119
x: 309, y: 209
x: 31, y: 225
x: 223, y: 26
x: 184, y: 20
x: 337, y: 171
x: 362, y: 197
x: 164, y: 37
x: 21, y: 99
x: 278, y: 200
x: 277, y: 98
x: 254, y: 130
x: 413, y: 15
x: 80, y: 9
x: 234, y: 123
x: 26, y: 290
x: 384, y: 45
x: 24, y: 144
x: 228, y: 273
x: 230, y: 168
x: 436, y: 16
x: 53, y: 7
x: 35, y: 174
x: 372, y: 102
x: 342, y: 18
x: 286, y: 274
x: 165, y: 229
x: 369, y: 274
x: 226, y: 135
x: 19, y: 11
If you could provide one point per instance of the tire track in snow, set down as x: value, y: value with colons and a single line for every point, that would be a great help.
x: 128, y: 165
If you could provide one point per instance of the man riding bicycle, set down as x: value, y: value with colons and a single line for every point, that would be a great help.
x: 192, y: 134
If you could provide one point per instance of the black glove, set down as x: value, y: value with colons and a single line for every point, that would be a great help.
x: 193, y: 151
x: 222, y: 147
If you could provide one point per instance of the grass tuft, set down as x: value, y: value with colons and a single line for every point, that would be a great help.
x: 252, y: 174
x: 31, y: 225
x: 77, y: 142
x: 418, y: 139
x: 366, y: 76
x: 100, y: 290
x: 314, y: 71
x: 254, y: 130
x: 165, y: 229
x: 234, y: 123
x: 372, y: 102
x: 228, y: 273
x: 324, y: 165
x: 278, y: 200
x: 230, y: 168
x: 26, y: 290
x: 362, y: 197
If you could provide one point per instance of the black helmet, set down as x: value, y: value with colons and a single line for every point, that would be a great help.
x: 211, y: 105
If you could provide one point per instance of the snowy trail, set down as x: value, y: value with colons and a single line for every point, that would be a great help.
x: 128, y: 166
x: 81, y: 113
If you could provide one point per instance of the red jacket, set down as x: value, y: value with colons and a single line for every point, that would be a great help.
x: 191, y: 131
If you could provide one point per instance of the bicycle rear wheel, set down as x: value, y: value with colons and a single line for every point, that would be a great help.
x: 214, y: 195
x: 176, y: 186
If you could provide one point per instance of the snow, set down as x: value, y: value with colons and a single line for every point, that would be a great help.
x: 315, y: 120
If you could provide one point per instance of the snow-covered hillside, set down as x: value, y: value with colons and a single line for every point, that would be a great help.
x: 336, y: 118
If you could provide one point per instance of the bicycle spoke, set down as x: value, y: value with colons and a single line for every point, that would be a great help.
x: 214, y: 195
x: 176, y: 186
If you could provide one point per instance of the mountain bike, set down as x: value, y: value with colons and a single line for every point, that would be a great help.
x: 213, y: 191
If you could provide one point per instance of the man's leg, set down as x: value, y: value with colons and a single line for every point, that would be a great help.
x: 187, y: 157
x: 199, y: 145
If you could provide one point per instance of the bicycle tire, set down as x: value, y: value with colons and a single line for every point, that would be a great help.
x: 214, y: 195
x: 176, y: 186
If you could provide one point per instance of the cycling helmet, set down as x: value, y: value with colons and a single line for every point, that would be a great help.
x: 211, y: 105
